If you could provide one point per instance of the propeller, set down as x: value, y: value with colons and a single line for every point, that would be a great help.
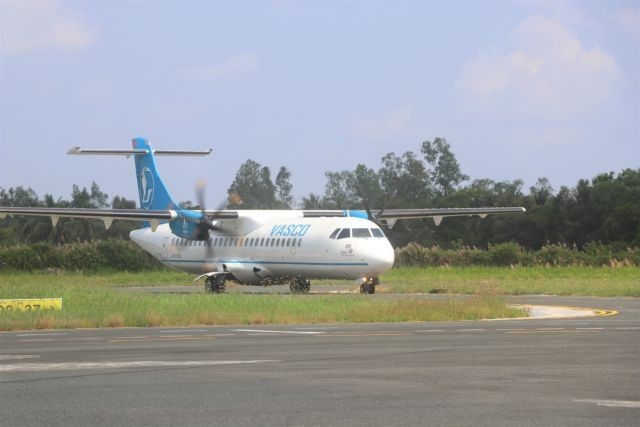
x: 205, y: 224
x: 370, y: 216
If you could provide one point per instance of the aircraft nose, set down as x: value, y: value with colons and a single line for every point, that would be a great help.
x: 382, y: 258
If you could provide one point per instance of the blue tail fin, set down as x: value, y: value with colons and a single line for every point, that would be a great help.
x: 153, y: 193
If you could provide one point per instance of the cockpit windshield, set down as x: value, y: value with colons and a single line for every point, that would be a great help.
x: 360, y: 232
x: 356, y: 233
x: 377, y: 232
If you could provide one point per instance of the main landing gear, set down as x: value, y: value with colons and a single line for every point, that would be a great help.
x: 299, y: 286
x: 368, y: 285
x: 215, y: 284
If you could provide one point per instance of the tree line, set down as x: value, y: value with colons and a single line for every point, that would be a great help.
x: 603, y: 209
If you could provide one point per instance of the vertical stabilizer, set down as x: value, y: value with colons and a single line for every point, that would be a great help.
x: 152, y: 191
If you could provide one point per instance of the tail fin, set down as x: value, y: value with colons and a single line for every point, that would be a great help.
x: 153, y: 193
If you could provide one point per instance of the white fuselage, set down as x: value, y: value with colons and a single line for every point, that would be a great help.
x: 263, y: 245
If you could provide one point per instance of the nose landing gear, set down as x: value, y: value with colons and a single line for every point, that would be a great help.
x: 368, y: 284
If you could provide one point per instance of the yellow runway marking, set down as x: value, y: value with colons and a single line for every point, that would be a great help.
x: 603, y: 313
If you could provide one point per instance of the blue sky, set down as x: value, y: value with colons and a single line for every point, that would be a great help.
x: 519, y: 89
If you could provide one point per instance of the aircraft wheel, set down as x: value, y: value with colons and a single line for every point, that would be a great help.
x: 219, y: 286
x: 368, y: 288
x: 306, y: 286
x: 209, y: 284
x: 300, y: 286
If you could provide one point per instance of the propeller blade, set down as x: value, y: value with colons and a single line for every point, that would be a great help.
x: 379, y: 214
x: 365, y: 200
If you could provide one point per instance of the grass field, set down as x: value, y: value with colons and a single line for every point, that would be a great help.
x: 583, y: 281
x: 95, y: 300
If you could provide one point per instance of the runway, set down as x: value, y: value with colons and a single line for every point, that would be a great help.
x: 563, y: 372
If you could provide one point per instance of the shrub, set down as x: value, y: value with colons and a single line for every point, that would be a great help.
x: 111, y: 254
x: 504, y: 254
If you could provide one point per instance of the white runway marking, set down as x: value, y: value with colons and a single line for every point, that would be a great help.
x: 55, y: 334
x: 611, y: 403
x: 34, y: 367
x: 178, y: 331
x: 265, y: 331
x: 18, y: 356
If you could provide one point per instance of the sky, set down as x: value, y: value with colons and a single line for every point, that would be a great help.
x: 520, y: 89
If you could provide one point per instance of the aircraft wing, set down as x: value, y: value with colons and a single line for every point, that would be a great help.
x: 153, y: 217
x: 106, y: 215
x: 390, y: 216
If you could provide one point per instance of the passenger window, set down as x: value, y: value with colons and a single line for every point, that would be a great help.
x: 293, y: 243
x: 262, y: 242
x: 299, y: 242
x: 273, y: 242
x: 334, y: 234
x: 361, y: 232
x: 345, y: 233
x: 288, y: 242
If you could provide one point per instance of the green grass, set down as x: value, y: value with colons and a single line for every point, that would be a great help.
x: 583, y: 281
x: 107, y: 279
x: 97, y: 301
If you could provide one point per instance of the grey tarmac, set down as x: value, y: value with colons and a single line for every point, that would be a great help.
x: 552, y: 372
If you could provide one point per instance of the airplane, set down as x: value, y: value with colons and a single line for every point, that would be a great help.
x: 253, y: 247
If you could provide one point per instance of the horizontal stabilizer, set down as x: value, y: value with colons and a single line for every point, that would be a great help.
x: 135, y: 151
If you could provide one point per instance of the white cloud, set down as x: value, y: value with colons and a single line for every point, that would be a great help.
x: 628, y: 18
x: 32, y: 25
x: 230, y: 67
x: 547, y: 74
x: 390, y: 122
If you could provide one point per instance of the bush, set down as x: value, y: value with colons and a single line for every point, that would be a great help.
x: 504, y: 254
x: 112, y: 254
